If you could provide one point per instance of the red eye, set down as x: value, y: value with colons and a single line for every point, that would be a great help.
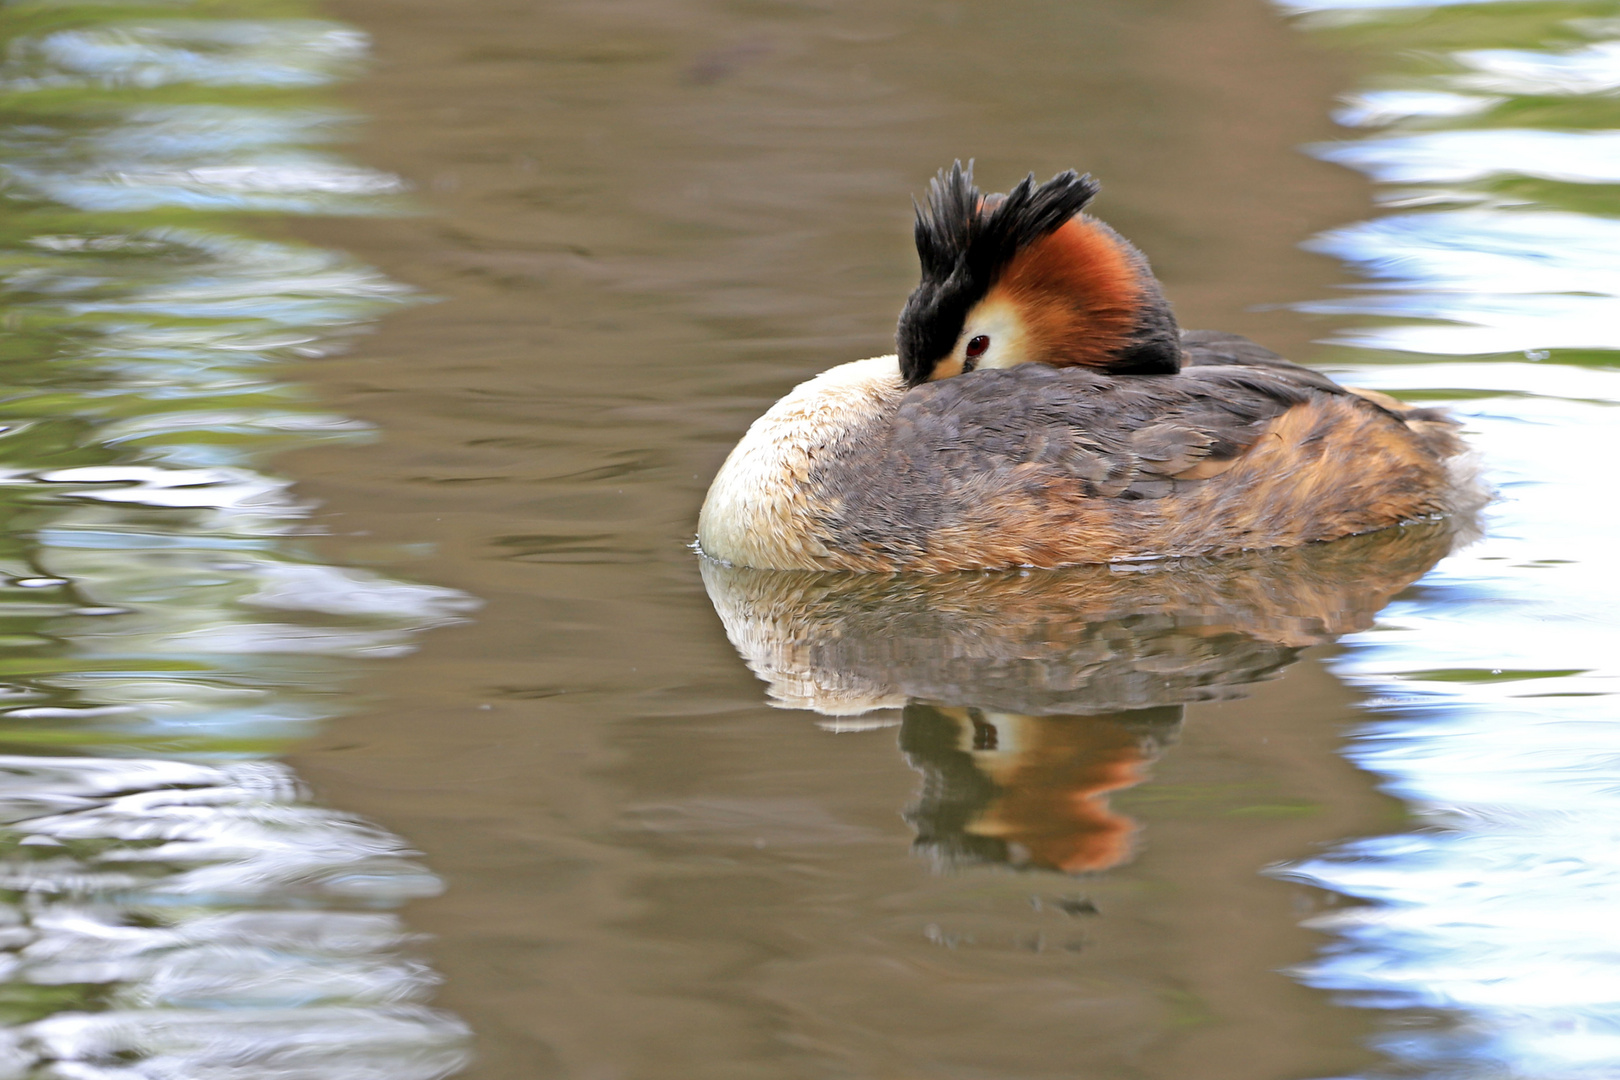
x: 976, y: 347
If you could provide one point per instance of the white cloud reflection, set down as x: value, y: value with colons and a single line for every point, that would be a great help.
x: 1594, y: 69
x: 224, y: 52
x: 1308, y: 7
x: 203, y: 157
x: 1450, y: 157
x: 1375, y: 108
x: 1505, y: 281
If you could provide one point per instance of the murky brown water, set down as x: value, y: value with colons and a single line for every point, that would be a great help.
x: 645, y: 222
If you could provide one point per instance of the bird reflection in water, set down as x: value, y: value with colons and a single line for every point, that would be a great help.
x: 1030, y: 791
x: 1027, y: 698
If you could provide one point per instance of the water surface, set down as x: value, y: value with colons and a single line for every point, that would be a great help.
x: 173, y: 901
x: 1483, y: 932
x: 1328, y: 813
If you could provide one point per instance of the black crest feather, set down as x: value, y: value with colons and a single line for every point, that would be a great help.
x: 963, y: 241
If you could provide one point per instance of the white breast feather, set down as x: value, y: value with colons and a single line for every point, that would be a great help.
x: 758, y: 510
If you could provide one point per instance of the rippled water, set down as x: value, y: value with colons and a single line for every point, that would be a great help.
x: 173, y: 903
x: 1121, y: 792
x: 1331, y: 812
x: 1488, y: 927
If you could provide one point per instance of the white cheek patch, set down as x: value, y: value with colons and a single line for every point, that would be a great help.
x: 998, y: 358
x: 997, y: 319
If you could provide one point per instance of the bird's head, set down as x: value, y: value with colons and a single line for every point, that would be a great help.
x: 1011, y: 279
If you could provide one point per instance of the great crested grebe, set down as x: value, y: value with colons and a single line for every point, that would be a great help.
x: 1045, y: 410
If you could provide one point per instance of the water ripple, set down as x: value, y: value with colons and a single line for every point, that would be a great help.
x: 1451, y: 157
x: 201, y: 157
x: 1486, y: 927
x: 1592, y: 69
x: 224, y: 52
x: 172, y: 903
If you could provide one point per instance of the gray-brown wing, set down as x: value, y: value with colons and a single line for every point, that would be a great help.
x: 989, y: 450
x: 1119, y: 434
x: 1215, y: 348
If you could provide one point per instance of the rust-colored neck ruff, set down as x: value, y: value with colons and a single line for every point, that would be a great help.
x: 1079, y: 292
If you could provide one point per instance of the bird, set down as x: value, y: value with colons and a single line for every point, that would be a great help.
x: 1043, y: 408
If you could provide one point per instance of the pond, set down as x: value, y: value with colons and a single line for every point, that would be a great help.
x: 366, y: 713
